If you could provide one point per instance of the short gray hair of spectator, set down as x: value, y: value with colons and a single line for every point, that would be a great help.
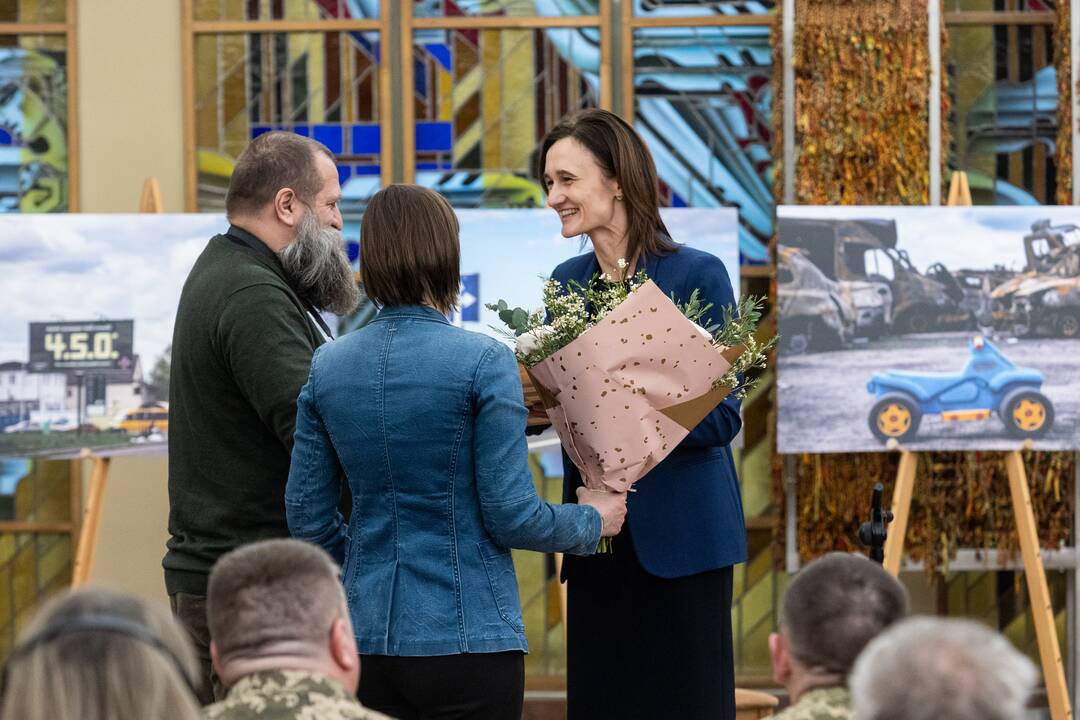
x: 263, y: 595
x: 835, y: 606
x: 927, y: 668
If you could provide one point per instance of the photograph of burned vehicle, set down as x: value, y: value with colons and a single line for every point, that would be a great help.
x: 1044, y: 300
x: 889, y: 294
x: 816, y: 313
x: 972, y: 349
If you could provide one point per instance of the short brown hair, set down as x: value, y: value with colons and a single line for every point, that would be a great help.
x: 270, y: 592
x: 270, y: 162
x: 835, y: 606
x: 622, y: 155
x: 409, y: 249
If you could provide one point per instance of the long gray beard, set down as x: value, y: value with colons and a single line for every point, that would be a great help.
x: 317, y: 264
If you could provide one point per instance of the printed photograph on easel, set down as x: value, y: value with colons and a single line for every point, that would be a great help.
x: 942, y: 328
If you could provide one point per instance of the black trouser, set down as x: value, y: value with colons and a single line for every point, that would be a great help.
x: 190, y: 611
x: 642, y: 646
x: 485, y: 686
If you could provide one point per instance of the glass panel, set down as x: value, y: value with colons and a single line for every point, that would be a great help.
x: 699, y: 8
x: 485, y: 99
x: 32, y: 569
x: 1000, y: 600
x: 504, y: 8
x: 33, y: 124
x: 321, y: 85
x: 948, y: 6
x: 703, y: 104
x: 1004, y: 112
x: 33, y: 11
x: 286, y: 9
x: 34, y: 490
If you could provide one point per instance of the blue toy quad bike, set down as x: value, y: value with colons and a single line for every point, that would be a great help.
x: 988, y: 383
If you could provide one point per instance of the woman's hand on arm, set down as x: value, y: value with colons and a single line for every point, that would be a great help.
x: 611, y: 506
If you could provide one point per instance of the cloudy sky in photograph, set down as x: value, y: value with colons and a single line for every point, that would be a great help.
x: 959, y: 237
x: 513, y: 250
x: 118, y: 267
x: 91, y: 267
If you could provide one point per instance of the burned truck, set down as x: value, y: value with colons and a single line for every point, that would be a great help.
x: 1044, y: 300
x: 889, y: 293
x: 816, y: 313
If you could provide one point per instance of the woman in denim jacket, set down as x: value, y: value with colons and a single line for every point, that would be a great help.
x: 428, y: 423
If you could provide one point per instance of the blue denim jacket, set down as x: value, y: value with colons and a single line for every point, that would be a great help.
x: 428, y: 422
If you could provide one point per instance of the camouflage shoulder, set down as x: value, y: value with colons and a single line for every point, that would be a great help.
x: 322, y: 708
x: 819, y: 706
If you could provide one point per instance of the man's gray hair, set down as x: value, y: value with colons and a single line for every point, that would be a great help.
x: 271, y: 596
x: 835, y: 606
x: 929, y: 668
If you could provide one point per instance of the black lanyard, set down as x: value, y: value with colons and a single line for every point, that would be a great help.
x: 240, y: 236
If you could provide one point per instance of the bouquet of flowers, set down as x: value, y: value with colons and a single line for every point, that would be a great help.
x: 625, y: 373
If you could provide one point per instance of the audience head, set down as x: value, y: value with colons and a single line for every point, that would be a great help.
x: 832, y: 609
x: 284, y: 189
x: 100, y: 655
x: 279, y: 605
x: 927, y: 668
x: 409, y: 249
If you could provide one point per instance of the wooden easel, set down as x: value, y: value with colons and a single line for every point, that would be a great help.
x: 86, y: 520
x: 1042, y: 610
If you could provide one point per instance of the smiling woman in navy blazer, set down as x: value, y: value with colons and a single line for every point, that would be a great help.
x: 649, y: 625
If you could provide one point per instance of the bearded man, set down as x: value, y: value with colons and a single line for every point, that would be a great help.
x: 246, y: 327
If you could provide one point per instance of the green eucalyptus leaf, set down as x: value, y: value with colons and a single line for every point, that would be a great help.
x: 519, y: 318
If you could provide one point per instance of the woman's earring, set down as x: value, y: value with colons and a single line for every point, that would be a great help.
x: 618, y: 198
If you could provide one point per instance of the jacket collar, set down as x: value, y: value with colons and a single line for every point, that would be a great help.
x: 419, y: 312
x: 240, y: 236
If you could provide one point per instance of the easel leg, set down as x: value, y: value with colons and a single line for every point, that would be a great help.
x: 88, y: 536
x: 1041, y: 609
x: 901, y: 511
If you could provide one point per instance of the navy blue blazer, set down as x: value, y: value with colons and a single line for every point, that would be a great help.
x: 686, y: 514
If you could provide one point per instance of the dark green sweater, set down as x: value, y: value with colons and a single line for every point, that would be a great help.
x: 241, y: 351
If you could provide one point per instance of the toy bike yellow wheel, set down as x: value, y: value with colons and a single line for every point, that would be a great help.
x: 1026, y: 413
x: 1029, y: 415
x: 894, y: 420
x: 895, y: 416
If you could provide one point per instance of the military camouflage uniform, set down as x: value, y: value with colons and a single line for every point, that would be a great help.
x: 289, y: 695
x: 832, y: 703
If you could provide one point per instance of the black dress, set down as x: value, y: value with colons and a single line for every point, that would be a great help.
x: 641, y: 646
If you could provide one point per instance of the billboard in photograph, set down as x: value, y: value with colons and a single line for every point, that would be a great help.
x: 935, y: 328
x: 89, y: 303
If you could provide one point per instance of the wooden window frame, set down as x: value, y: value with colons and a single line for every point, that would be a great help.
x: 190, y: 28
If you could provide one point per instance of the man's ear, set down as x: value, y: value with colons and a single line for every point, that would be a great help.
x: 287, y: 207
x: 343, y: 645
x: 780, y: 655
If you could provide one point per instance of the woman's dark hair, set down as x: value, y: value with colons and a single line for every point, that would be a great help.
x: 622, y: 156
x: 409, y: 250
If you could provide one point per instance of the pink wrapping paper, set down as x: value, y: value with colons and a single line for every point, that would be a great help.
x: 630, y: 388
